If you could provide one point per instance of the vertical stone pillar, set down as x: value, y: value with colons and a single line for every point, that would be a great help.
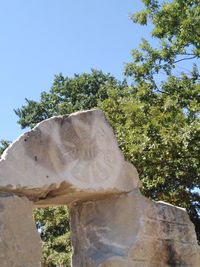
x: 20, y: 244
x: 128, y: 230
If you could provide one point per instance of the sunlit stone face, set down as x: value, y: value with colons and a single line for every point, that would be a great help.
x: 89, y: 150
x: 79, y: 150
x: 75, y: 160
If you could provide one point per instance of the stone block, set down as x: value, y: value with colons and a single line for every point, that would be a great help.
x: 20, y: 244
x: 67, y: 158
x: 120, y: 231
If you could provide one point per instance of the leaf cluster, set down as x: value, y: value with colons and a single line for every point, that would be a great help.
x: 177, y: 31
x: 66, y: 95
x: 3, y: 145
x: 54, y: 227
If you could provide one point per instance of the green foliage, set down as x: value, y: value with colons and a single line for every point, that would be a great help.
x: 176, y: 27
x: 66, y: 96
x: 160, y: 138
x: 170, y: 138
x: 160, y: 134
x: 54, y: 228
x: 3, y: 145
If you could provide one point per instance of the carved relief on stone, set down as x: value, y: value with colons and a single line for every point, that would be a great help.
x: 76, y: 160
x: 79, y: 149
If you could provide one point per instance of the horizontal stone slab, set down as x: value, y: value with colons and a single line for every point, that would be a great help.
x: 65, y: 159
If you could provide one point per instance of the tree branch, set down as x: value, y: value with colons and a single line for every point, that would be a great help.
x: 185, y: 58
x: 187, y: 54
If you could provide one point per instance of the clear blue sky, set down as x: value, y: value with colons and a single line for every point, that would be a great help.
x: 41, y: 38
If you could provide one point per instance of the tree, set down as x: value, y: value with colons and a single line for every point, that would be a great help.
x: 176, y: 27
x: 67, y: 95
x: 172, y: 106
x: 53, y: 225
x: 157, y: 124
x: 162, y: 141
x: 3, y: 145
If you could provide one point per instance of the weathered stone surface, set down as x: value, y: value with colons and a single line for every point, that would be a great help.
x: 76, y: 160
x: 132, y: 231
x: 67, y: 158
x: 20, y: 244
